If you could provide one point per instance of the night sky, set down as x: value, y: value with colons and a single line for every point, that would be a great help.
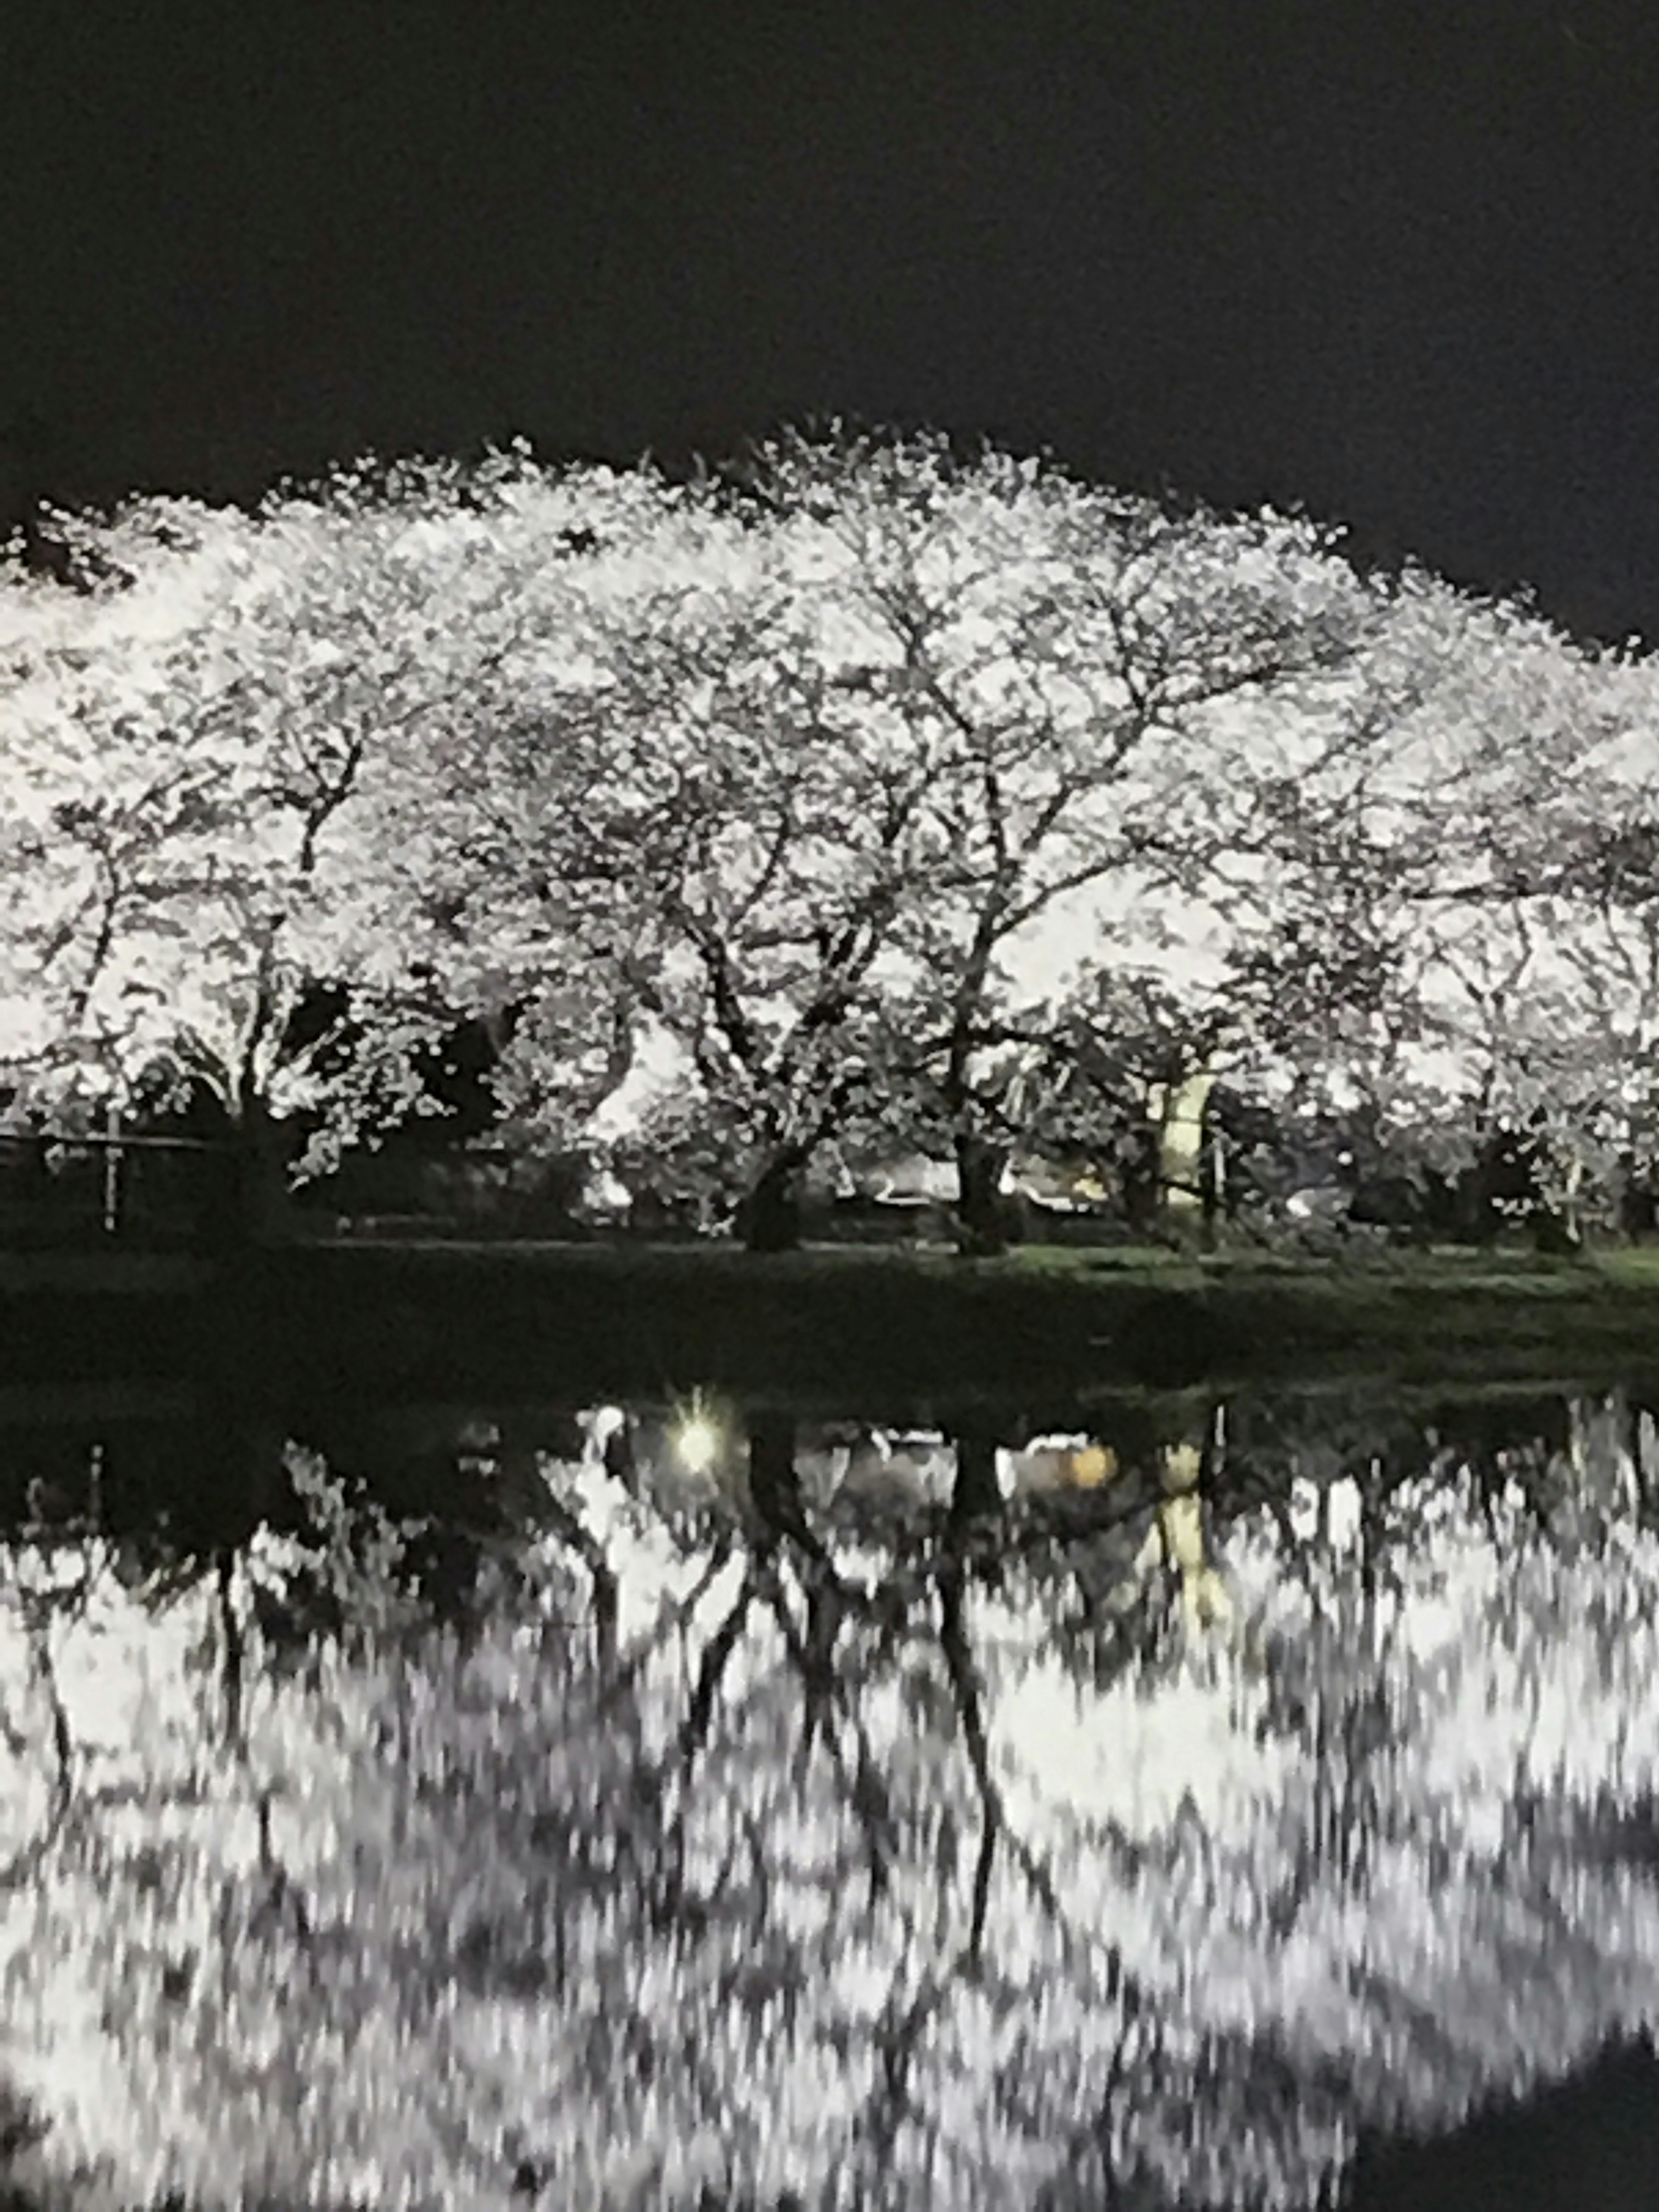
x: 1396, y: 263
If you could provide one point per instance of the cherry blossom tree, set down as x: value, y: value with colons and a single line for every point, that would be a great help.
x: 833, y: 737
x: 223, y: 768
x: 823, y: 792
x: 749, y: 853
x: 1061, y: 660
x: 1388, y: 960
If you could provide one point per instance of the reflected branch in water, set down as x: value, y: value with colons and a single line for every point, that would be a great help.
x: 617, y: 1926
x: 968, y: 1692
x: 36, y: 1610
x: 234, y: 1650
x: 774, y: 1495
x: 721, y: 1553
x: 717, y: 1654
x: 897, y: 2032
x: 859, y: 1780
x: 977, y: 1493
x: 775, y: 1491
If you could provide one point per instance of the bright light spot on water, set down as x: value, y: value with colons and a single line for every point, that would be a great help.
x: 1093, y: 1465
x: 697, y: 1443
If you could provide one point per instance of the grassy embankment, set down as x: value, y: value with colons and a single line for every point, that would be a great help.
x: 639, y: 1317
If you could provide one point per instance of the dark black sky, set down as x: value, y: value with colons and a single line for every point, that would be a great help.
x: 1397, y: 262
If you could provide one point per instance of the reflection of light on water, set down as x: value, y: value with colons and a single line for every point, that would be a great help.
x: 912, y: 1466
x: 124, y: 1674
x: 1339, y: 1503
x: 117, y: 1659
x: 697, y: 1443
x: 1183, y: 1463
x: 1055, y: 1462
x: 700, y: 1431
x: 603, y: 1423
x: 1496, y: 1661
x: 1130, y: 1760
x: 1093, y: 1465
x: 652, y: 1569
x: 1343, y: 1513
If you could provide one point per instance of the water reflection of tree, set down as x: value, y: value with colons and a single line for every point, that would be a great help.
x: 701, y: 1856
x: 1428, y: 1755
x: 991, y: 1931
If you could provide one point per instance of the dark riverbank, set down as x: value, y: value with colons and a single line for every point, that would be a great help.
x: 642, y: 1317
x: 1590, y: 2144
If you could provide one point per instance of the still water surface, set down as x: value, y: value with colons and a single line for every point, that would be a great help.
x: 1149, y: 1802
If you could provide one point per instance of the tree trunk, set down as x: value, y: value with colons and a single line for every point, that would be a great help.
x: 248, y: 1202
x: 1218, y: 1201
x: 1178, y: 1109
x: 769, y: 1218
x: 1140, y: 1181
x: 985, y: 1220
x: 1638, y: 1214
